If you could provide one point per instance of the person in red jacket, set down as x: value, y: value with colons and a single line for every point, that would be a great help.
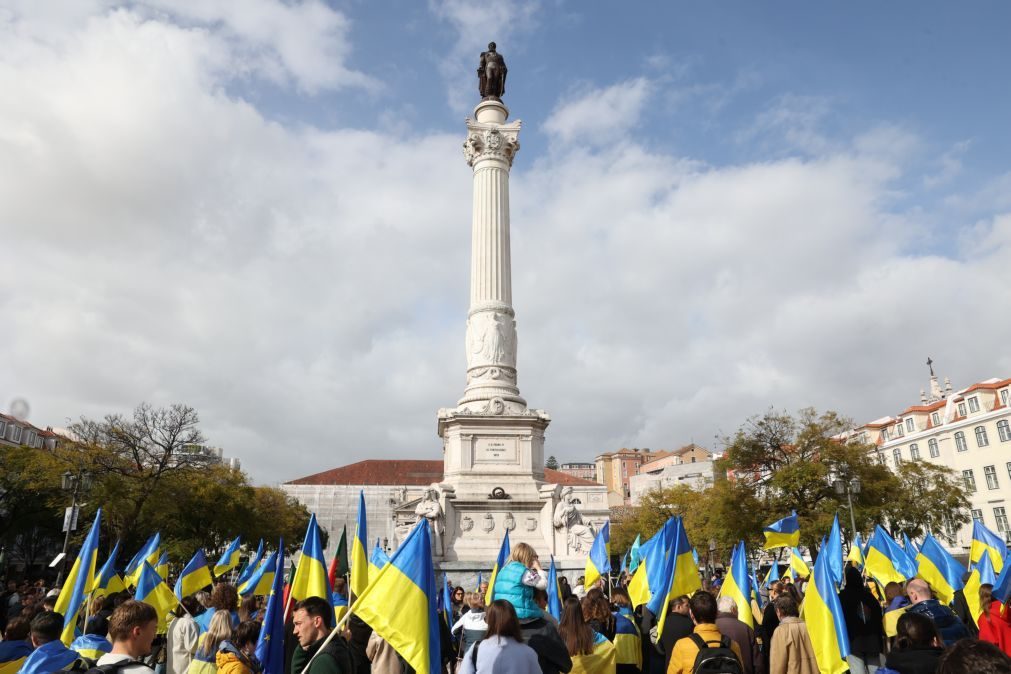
x: 994, y: 620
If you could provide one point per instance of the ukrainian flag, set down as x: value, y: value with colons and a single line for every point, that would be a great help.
x: 252, y: 566
x: 737, y: 585
x: 1002, y: 588
x: 825, y: 624
x: 601, y: 660
x: 444, y: 602
x: 856, y: 554
x: 13, y: 654
x: 885, y: 561
x: 378, y: 559
x: 107, y: 581
x: 270, y: 644
x: 261, y: 580
x: 772, y: 575
x: 554, y: 595
x: 681, y: 573
x: 151, y: 589
x: 833, y: 548
x: 162, y: 566
x: 627, y: 644
x: 149, y: 553
x: 407, y: 583
x: 91, y: 646
x: 194, y: 577
x: 783, y: 534
x: 500, y: 561
x: 756, y: 599
x: 598, y: 564
x: 310, y: 577
x: 82, y: 577
x: 359, y: 551
x: 985, y: 540
x: 982, y: 575
x: 647, y: 581
x: 229, y: 559
x: 798, y: 567
x: 909, y: 546
x: 936, y: 566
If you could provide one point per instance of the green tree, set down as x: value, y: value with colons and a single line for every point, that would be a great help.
x: 551, y: 463
x: 932, y: 499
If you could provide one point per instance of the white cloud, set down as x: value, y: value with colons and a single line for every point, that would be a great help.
x: 306, y: 289
x: 600, y: 115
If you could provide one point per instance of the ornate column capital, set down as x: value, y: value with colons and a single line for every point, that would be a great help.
x: 491, y: 141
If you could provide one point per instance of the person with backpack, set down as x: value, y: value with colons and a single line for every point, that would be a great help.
x: 132, y: 628
x: 705, y: 650
x: 313, y: 621
x: 502, y: 650
x: 791, y: 650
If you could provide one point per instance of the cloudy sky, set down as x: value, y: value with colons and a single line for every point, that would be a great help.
x: 261, y: 209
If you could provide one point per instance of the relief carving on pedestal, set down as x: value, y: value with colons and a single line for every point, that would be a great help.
x: 509, y: 523
x: 489, y: 522
x: 531, y: 524
x: 491, y: 341
x: 466, y: 523
x: 579, y: 536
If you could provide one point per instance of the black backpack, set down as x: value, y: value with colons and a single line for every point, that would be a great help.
x: 715, y: 660
x: 114, y: 667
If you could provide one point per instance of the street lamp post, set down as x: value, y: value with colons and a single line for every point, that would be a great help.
x: 849, y: 488
x: 73, y: 483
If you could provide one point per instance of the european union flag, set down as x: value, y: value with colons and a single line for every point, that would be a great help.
x: 270, y: 644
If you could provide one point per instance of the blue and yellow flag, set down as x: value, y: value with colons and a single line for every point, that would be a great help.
x: 601, y: 660
x: 229, y: 558
x: 500, y: 561
x: 856, y: 554
x: 648, y: 580
x: 798, y: 567
x: 261, y: 580
x: 13, y: 655
x: 772, y: 575
x: 360, y: 550
x: 408, y: 583
x: 310, y: 576
x: 48, y: 658
x: 1002, y: 588
x: 909, y: 546
x: 194, y: 577
x: 82, y: 576
x: 378, y: 559
x: 444, y: 603
x: 682, y: 576
x: 149, y: 553
x: 982, y: 575
x: 825, y: 623
x: 554, y: 594
x: 252, y: 566
x: 985, y: 540
x: 627, y: 643
x: 936, y: 566
x: 151, y: 589
x: 598, y: 564
x: 270, y: 644
x: 633, y: 554
x: 737, y: 585
x: 885, y: 561
x: 784, y: 533
x: 833, y: 548
x: 162, y: 567
x: 91, y: 646
x: 107, y: 581
x: 477, y: 588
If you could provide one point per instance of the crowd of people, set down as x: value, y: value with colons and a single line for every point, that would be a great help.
x: 900, y: 628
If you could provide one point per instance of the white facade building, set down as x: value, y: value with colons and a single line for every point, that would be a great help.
x: 968, y: 431
x: 698, y: 476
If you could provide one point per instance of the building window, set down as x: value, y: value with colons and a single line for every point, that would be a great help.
x: 897, y: 456
x: 960, y: 442
x: 974, y: 404
x: 1003, y: 397
x: 914, y: 452
x: 909, y: 425
x: 1001, y: 517
x: 991, y: 476
x: 977, y: 515
x: 932, y: 446
x: 970, y: 481
x: 3, y: 428
x: 881, y: 458
x: 1003, y: 430
x: 884, y: 434
x: 935, y: 418
x: 16, y: 433
x: 961, y: 409
x: 981, y: 440
x: 899, y: 432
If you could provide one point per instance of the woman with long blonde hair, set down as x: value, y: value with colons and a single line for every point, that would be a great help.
x: 220, y: 629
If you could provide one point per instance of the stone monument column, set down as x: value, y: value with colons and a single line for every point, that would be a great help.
x: 491, y: 326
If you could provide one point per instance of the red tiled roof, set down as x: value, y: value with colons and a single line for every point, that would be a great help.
x: 991, y: 386
x: 413, y: 472
x: 924, y: 408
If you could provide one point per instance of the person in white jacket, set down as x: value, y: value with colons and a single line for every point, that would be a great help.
x: 183, y: 637
x: 471, y: 624
x: 502, y: 651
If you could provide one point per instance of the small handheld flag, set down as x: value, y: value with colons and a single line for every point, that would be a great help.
x: 310, y: 576
x: 500, y: 562
x: 784, y: 533
x: 598, y: 564
x: 148, y: 553
x: 359, y: 550
x: 229, y: 559
x: 262, y: 580
x: 554, y: 595
x: 194, y: 577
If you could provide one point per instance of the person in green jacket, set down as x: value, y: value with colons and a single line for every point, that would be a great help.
x: 313, y: 622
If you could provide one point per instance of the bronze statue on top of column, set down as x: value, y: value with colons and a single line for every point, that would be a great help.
x: 491, y: 75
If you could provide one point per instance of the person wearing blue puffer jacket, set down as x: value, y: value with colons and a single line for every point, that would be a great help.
x: 951, y: 628
x: 518, y: 579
